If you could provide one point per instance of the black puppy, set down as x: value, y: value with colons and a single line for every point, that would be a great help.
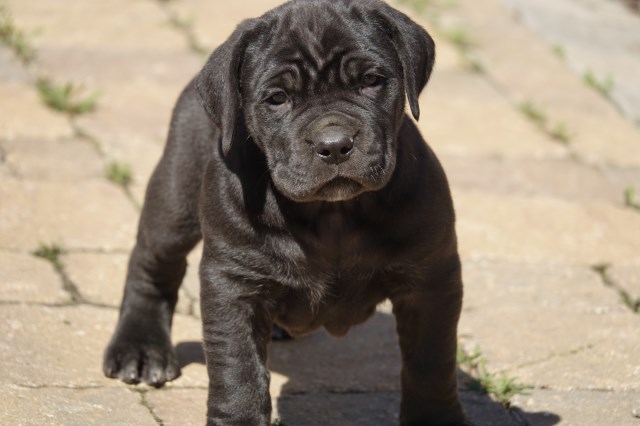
x: 317, y: 199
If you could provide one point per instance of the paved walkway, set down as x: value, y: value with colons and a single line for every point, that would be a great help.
x: 539, y: 164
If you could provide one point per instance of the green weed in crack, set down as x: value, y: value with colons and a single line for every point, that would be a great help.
x: 15, y: 39
x: 50, y: 252
x: 604, y: 87
x: 119, y: 173
x: 602, y: 269
x: 66, y: 97
x: 559, y: 131
x: 499, y: 386
x: 630, y: 199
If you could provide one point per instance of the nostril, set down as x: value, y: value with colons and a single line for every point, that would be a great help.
x: 345, y: 150
x: 325, y: 153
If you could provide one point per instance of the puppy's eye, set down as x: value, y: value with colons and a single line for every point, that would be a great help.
x: 372, y: 81
x: 278, y: 98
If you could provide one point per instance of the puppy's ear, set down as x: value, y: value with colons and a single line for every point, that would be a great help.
x: 416, y: 50
x: 218, y: 84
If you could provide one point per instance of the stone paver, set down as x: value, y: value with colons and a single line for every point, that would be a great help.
x: 534, y: 219
x: 83, y: 214
x: 610, y: 53
x: 74, y: 159
x: 59, y: 406
x: 580, y: 408
x: 100, y: 278
x: 24, y: 278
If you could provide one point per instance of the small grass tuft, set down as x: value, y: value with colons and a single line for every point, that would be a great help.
x: 119, y: 173
x: 561, y: 133
x: 15, y: 39
x: 459, y: 38
x: 534, y: 113
x: 418, y: 5
x: 66, y: 97
x: 604, y: 87
x: 559, y: 51
x: 185, y: 26
x: 630, y: 198
x: 500, y: 386
x: 558, y: 132
x: 52, y: 253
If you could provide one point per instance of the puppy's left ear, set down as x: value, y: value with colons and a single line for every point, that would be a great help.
x: 218, y: 84
x: 416, y: 50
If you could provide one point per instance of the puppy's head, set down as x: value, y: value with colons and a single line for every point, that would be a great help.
x: 320, y: 86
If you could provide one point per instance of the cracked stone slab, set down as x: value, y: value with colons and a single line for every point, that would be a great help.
x: 24, y: 278
x: 600, y: 135
x: 11, y: 69
x: 584, y: 408
x: 85, y: 214
x: 60, y: 159
x: 213, y: 23
x: 131, y: 127
x: 549, y: 325
x: 118, y: 24
x: 63, y: 346
x: 25, y: 116
x: 627, y: 277
x: 188, y: 407
x: 580, y: 182
x: 58, y: 406
x: 454, y: 94
x: 103, y: 65
x: 100, y: 278
x: 518, y: 227
x: 611, y: 52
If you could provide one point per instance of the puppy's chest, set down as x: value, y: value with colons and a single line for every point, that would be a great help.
x: 335, y: 282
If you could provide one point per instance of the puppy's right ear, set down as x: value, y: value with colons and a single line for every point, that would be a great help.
x: 218, y: 84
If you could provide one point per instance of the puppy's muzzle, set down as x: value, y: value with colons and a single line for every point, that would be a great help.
x: 333, y: 145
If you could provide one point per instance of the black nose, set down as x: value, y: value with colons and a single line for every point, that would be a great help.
x: 334, y: 148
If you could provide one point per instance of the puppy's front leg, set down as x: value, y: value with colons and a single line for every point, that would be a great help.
x: 236, y: 332
x: 427, y: 318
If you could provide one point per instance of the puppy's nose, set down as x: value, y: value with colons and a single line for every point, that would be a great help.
x: 334, y: 148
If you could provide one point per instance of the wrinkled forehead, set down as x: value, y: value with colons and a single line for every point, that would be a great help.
x: 317, y: 41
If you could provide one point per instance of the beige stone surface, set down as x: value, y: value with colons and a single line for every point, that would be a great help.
x: 210, y: 26
x: 550, y: 325
x: 179, y: 407
x: 601, y: 134
x: 59, y: 406
x: 527, y: 177
x: 58, y: 159
x: 117, y: 24
x: 475, y: 119
x: 85, y: 214
x: 541, y: 228
x: 62, y: 347
x: 627, y: 277
x: 25, y: 116
x: 100, y: 278
x: 25, y: 278
x: 579, y: 408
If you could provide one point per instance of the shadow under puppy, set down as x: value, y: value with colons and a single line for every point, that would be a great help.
x: 317, y: 199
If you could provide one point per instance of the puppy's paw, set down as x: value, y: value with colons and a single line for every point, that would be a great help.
x: 135, y: 360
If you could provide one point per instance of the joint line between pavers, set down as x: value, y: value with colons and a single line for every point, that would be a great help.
x: 550, y: 357
x: 147, y: 405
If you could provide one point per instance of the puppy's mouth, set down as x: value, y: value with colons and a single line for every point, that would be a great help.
x: 339, y: 189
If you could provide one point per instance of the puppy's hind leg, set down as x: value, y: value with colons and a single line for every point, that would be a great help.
x: 141, y: 350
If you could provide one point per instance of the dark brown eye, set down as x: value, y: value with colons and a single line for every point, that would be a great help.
x: 278, y: 98
x: 372, y: 80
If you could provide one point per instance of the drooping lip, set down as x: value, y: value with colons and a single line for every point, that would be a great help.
x: 339, y: 188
